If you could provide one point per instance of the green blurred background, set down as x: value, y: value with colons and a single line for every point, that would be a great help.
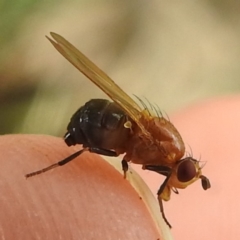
x: 174, y: 53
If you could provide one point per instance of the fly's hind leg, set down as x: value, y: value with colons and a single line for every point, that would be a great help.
x: 58, y: 164
x: 73, y: 156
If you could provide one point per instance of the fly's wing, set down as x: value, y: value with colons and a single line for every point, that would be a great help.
x: 97, y: 76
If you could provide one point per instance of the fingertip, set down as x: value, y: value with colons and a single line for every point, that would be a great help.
x: 85, y: 199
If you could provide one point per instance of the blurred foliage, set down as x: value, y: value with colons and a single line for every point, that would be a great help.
x: 173, y: 53
x: 13, y: 12
x: 13, y: 100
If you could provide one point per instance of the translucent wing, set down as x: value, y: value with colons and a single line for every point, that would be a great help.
x: 97, y: 76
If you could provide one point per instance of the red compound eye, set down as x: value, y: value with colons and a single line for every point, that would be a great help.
x: 186, y: 170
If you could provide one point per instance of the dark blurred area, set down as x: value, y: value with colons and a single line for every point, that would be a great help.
x: 173, y: 54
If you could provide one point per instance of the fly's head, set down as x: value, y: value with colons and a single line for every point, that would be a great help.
x: 187, y: 171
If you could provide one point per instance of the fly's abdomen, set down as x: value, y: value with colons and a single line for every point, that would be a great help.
x: 99, y: 123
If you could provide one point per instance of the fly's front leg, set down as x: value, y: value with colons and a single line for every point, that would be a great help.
x: 162, y: 211
x: 163, y: 170
x: 163, y: 191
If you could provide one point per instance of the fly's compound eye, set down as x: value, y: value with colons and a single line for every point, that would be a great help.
x: 186, y: 170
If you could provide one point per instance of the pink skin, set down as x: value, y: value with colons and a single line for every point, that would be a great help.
x: 86, y: 199
x: 74, y: 201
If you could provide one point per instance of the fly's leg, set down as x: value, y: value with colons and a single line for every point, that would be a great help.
x: 102, y: 151
x: 60, y: 163
x: 124, y: 168
x: 165, y: 171
x: 162, y: 211
x: 160, y: 190
x: 110, y: 153
x: 73, y: 156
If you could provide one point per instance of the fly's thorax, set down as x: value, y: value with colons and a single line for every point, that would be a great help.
x: 164, y: 146
x: 169, y: 138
